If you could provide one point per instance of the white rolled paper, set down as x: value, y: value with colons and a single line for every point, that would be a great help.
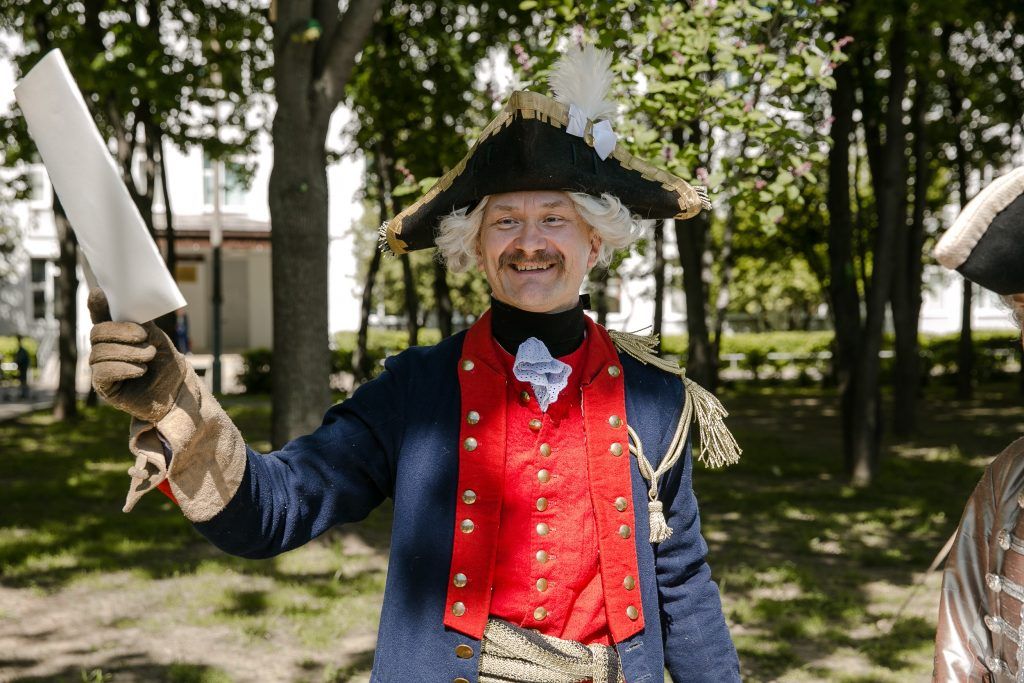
x: 110, y: 230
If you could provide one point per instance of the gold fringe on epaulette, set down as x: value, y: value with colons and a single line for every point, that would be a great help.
x: 718, y: 447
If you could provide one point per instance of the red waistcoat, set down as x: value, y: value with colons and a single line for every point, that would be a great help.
x: 544, y: 519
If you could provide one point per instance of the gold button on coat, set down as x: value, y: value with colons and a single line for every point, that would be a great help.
x: 543, y: 529
x: 616, y: 448
x: 535, y: 425
x: 543, y: 476
x: 460, y: 580
x: 629, y: 583
x: 470, y: 444
x: 540, y: 613
x: 615, y: 421
x: 467, y: 526
x: 542, y: 556
x: 614, y: 371
x: 545, y: 450
x: 472, y: 417
x: 458, y: 609
x: 468, y: 365
x: 463, y: 651
x: 542, y: 585
x: 469, y: 496
x: 460, y: 680
x: 542, y: 504
x: 624, y: 531
x: 621, y: 504
x: 632, y: 612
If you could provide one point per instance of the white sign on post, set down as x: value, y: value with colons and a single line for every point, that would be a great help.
x: 114, y: 240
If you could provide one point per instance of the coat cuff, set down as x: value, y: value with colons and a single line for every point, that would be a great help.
x: 207, y: 453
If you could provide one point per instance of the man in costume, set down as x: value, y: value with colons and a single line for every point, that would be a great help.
x: 545, y: 527
x: 979, y: 632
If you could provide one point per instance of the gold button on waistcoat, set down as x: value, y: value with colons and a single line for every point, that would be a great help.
x: 542, y: 556
x: 469, y: 496
x: 463, y: 651
x: 542, y: 504
x: 524, y: 397
x: 472, y: 417
x: 467, y: 526
x: 470, y: 444
x: 616, y: 448
x: 543, y: 476
x: 460, y: 580
x: 621, y: 504
x: 458, y: 609
x: 615, y: 421
x: 624, y: 531
x: 629, y: 583
x: 543, y: 529
x: 535, y: 425
x: 614, y: 371
x: 540, y: 613
x: 542, y: 585
x: 633, y: 613
x: 545, y: 450
x: 468, y: 365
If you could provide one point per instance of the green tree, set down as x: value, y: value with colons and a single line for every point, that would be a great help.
x: 180, y: 71
x: 729, y: 94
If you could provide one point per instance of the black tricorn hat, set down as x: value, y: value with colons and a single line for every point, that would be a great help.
x: 986, y: 242
x: 538, y: 142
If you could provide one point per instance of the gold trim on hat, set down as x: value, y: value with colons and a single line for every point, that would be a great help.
x: 530, y: 105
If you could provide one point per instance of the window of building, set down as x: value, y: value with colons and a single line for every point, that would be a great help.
x: 233, y: 183
x: 41, y: 284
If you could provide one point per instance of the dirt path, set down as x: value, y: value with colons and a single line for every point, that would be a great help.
x: 136, y: 629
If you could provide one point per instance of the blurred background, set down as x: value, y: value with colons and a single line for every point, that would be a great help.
x: 265, y: 143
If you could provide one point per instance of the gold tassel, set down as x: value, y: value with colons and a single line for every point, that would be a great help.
x: 718, y: 446
x: 660, y: 530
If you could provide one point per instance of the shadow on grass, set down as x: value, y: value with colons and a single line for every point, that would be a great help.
x: 134, y: 667
x: 63, y: 483
x: 809, y: 565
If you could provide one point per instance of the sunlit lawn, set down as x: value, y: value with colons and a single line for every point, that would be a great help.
x: 818, y: 578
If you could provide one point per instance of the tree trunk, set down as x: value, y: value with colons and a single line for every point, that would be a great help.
x: 599, y: 282
x: 659, y: 278
x: 412, y: 301
x: 691, y: 236
x: 442, y: 299
x: 360, y: 361
x: 309, y: 78
x: 725, y: 272
x: 166, y: 322
x: 906, y: 299
x: 866, y: 417
x: 965, y: 347
x: 65, y: 403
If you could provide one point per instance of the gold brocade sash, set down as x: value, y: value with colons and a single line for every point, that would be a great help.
x: 510, y: 654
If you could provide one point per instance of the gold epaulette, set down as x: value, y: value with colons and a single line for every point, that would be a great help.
x: 718, y: 447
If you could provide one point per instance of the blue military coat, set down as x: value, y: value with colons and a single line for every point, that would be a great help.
x: 397, y: 437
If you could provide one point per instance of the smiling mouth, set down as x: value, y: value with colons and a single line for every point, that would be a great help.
x: 530, y: 267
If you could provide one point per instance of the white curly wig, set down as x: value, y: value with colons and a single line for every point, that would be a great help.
x: 459, y: 231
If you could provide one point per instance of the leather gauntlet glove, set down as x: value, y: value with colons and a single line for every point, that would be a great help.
x: 179, y: 432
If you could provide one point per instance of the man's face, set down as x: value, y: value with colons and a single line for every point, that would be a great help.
x: 535, y: 250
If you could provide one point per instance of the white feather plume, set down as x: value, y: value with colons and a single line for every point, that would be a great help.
x: 583, y: 77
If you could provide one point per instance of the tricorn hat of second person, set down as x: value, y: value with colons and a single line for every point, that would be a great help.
x: 986, y: 242
x: 536, y: 142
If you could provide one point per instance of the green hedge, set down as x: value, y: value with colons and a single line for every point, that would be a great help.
x: 255, y: 374
x: 938, y: 353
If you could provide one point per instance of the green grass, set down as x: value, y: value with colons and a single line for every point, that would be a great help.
x: 820, y: 581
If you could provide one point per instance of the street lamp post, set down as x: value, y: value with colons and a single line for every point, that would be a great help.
x: 216, y: 238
